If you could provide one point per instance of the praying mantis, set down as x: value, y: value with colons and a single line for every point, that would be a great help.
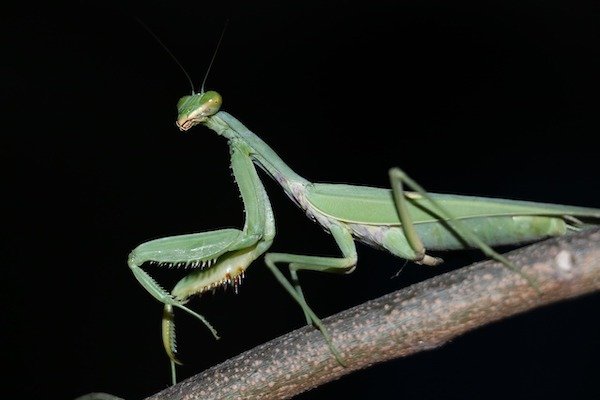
x: 406, y: 224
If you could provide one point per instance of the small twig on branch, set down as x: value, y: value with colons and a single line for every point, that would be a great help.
x: 419, y: 317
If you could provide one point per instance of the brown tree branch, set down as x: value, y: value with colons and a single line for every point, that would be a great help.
x: 420, y: 317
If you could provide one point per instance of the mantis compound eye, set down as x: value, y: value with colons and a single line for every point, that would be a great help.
x: 211, y: 102
x: 182, y: 102
x: 196, y: 108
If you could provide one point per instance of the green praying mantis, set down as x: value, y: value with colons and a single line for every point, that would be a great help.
x: 404, y: 223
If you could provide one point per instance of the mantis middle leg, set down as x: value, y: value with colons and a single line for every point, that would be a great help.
x: 297, y: 262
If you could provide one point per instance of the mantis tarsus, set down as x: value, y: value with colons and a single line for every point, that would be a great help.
x: 406, y: 224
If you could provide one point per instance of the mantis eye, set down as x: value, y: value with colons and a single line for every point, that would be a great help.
x: 211, y: 102
x: 182, y: 101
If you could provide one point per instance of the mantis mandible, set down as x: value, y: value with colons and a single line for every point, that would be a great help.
x: 405, y: 224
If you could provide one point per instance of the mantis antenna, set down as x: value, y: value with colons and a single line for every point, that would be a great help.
x: 212, y: 60
x: 147, y: 28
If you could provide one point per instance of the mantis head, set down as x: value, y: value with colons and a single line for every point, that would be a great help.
x: 197, y: 108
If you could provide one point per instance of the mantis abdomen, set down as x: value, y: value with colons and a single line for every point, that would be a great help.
x: 372, y: 217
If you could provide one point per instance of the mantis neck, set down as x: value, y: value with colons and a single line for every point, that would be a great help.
x: 263, y: 155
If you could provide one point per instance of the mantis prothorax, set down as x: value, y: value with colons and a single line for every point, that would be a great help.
x: 406, y: 224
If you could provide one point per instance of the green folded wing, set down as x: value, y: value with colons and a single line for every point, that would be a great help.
x: 368, y: 205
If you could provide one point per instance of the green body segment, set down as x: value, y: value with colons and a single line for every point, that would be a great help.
x: 375, y: 206
x: 494, y: 231
x: 495, y: 221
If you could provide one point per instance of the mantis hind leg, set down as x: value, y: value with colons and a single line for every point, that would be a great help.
x: 397, y: 178
x: 297, y: 263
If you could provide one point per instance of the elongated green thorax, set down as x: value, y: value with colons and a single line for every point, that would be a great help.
x: 196, y: 108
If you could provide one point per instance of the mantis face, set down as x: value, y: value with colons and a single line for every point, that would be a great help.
x: 195, y: 109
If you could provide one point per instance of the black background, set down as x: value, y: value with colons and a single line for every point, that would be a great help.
x: 493, y: 98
